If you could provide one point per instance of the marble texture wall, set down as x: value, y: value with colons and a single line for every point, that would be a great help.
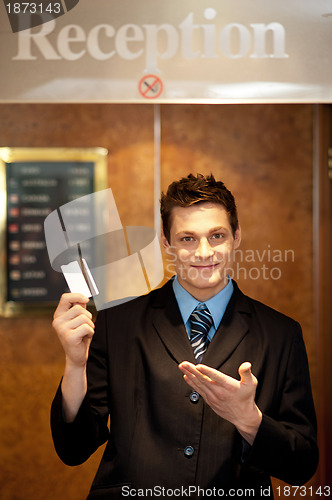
x: 263, y: 153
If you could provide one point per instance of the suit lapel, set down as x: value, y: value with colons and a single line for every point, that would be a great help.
x: 168, y: 323
x: 225, y: 341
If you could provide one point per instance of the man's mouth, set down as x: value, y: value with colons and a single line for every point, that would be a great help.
x: 205, y: 266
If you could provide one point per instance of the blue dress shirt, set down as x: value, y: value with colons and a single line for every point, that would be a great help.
x: 217, y: 305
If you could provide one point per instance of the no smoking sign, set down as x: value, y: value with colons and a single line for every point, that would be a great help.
x: 150, y: 86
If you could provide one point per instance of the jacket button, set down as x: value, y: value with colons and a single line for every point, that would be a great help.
x: 189, y: 451
x: 194, y: 397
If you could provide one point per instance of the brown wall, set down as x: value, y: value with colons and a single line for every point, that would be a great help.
x: 264, y: 155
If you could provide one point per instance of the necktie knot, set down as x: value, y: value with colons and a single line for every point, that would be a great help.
x: 200, y: 322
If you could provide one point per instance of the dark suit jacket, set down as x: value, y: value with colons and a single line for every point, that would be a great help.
x: 133, y: 377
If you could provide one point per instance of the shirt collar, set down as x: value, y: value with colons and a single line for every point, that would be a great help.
x: 217, y: 304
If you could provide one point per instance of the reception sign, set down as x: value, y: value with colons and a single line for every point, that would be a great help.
x: 166, y: 51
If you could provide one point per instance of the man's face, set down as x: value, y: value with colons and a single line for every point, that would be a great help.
x: 201, y: 246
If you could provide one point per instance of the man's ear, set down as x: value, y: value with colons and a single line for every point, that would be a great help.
x: 164, y: 241
x: 237, y: 237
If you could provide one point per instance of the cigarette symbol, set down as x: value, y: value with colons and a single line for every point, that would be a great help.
x: 150, y: 86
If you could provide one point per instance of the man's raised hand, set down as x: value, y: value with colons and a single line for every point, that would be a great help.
x: 74, y: 326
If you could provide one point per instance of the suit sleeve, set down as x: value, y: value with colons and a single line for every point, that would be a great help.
x: 74, y: 442
x: 286, y: 444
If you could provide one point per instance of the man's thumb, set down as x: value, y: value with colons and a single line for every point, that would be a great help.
x: 245, y: 372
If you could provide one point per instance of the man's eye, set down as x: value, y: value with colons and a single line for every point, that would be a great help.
x: 217, y: 236
x: 187, y: 238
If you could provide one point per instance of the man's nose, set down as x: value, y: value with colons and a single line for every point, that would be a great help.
x: 204, y: 249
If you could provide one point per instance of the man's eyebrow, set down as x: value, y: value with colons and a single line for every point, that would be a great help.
x: 218, y: 228
x: 184, y: 231
x: 192, y: 233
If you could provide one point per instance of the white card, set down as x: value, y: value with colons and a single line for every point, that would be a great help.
x: 75, y: 278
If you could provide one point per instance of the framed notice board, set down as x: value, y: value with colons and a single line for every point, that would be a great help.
x: 33, y: 183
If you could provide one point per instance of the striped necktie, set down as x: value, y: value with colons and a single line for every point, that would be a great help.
x: 201, y: 322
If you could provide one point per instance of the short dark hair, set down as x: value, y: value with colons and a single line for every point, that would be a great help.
x: 196, y: 189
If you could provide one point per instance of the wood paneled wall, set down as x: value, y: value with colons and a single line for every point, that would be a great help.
x: 263, y: 153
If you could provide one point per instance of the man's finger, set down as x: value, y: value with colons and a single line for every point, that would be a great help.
x: 188, y: 369
x: 245, y: 373
x: 82, y: 319
x: 205, y: 373
x: 81, y: 332
x: 215, y: 375
x: 191, y: 371
x: 68, y: 300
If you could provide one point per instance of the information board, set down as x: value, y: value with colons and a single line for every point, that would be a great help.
x: 34, y: 187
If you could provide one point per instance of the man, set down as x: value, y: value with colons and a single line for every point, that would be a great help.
x: 223, y: 427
